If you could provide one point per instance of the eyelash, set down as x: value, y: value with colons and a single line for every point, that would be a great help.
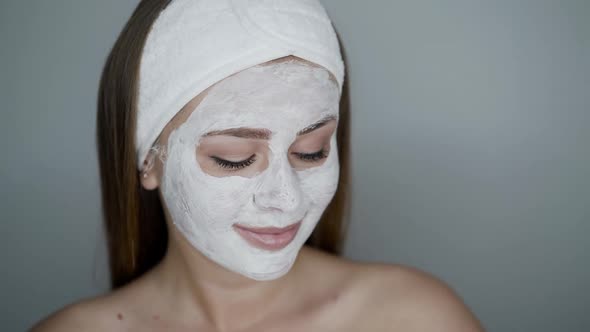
x: 234, y: 165
x: 312, y: 157
x: 237, y: 165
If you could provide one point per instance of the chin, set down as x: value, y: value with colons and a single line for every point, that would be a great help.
x: 267, y: 276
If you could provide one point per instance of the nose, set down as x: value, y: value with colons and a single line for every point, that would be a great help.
x: 279, y: 190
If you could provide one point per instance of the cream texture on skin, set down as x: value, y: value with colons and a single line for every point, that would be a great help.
x: 284, y: 98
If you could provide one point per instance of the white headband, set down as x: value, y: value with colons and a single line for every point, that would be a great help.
x: 195, y: 43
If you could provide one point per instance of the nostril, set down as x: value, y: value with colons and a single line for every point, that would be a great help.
x: 275, y: 201
x: 267, y: 202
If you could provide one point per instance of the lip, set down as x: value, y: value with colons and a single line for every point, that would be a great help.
x: 268, y: 238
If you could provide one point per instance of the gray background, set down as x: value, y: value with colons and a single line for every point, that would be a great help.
x: 470, y: 143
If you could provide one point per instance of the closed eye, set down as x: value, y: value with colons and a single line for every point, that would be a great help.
x: 238, y: 165
x: 312, y: 157
x: 234, y: 165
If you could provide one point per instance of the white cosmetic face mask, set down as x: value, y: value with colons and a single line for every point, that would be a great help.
x: 284, y: 98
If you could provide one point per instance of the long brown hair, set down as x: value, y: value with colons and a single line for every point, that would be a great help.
x: 134, y: 220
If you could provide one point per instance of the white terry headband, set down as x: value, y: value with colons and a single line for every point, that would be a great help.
x: 195, y: 43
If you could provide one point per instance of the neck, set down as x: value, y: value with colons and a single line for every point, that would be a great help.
x: 220, y: 297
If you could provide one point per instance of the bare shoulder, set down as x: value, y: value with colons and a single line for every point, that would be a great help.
x: 389, y: 297
x: 79, y: 316
x: 101, y: 313
x: 411, y: 299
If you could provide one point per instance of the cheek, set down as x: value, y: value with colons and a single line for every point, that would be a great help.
x: 199, y: 198
x: 319, y: 184
x: 223, y: 199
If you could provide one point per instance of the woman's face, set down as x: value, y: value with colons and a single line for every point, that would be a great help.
x: 256, y: 150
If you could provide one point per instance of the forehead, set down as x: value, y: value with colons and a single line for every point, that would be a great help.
x: 290, y: 93
x: 292, y: 101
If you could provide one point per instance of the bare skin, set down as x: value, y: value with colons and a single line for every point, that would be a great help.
x: 321, y: 292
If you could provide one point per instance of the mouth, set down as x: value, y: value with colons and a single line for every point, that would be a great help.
x: 268, y: 238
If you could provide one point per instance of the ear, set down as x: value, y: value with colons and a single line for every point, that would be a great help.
x: 149, y: 176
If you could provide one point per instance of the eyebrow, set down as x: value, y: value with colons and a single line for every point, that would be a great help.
x: 265, y: 133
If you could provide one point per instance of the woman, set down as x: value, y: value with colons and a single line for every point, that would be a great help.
x: 222, y: 137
